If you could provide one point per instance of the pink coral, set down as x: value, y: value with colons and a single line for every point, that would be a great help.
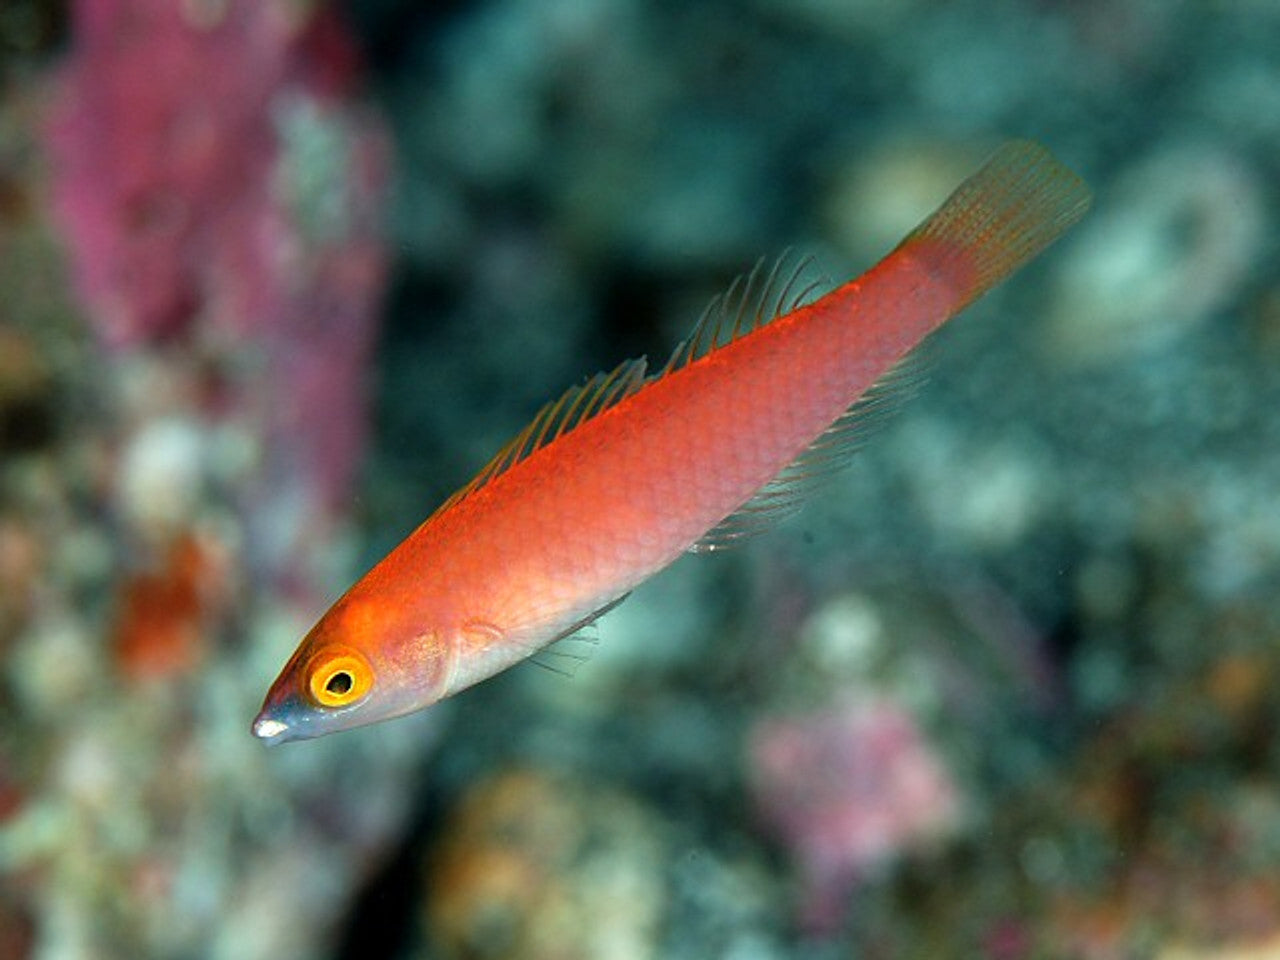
x: 163, y: 147
x: 846, y: 790
x: 221, y: 202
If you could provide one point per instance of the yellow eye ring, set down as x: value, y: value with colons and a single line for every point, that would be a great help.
x: 338, y: 678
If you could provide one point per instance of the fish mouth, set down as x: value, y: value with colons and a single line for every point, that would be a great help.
x: 286, y: 716
x: 270, y: 729
x: 281, y: 719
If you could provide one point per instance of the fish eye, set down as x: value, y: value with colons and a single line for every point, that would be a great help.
x: 338, y: 678
x: 339, y: 684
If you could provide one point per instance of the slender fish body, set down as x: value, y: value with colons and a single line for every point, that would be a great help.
x: 624, y: 474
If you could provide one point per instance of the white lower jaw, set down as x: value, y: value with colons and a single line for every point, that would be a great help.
x: 266, y: 729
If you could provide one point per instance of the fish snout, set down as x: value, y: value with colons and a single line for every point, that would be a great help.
x: 283, y: 717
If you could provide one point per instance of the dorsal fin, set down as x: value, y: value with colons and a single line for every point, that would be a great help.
x: 829, y: 453
x: 752, y: 300
x: 576, y: 405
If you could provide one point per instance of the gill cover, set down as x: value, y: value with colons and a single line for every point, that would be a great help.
x: 336, y: 684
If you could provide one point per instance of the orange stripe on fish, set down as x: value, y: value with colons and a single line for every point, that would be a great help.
x: 622, y: 475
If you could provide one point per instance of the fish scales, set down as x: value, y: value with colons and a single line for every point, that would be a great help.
x: 558, y: 531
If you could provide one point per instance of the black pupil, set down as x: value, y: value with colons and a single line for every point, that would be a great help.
x: 339, y: 683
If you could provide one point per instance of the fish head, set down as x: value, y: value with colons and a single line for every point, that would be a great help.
x: 356, y: 666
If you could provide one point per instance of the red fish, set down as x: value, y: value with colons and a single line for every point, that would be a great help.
x: 622, y: 475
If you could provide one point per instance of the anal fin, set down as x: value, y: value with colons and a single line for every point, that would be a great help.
x: 829, y: 453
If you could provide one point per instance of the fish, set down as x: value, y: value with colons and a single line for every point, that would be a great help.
x: 627, y: 471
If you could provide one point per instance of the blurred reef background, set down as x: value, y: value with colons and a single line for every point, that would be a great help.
x: 277, y: 276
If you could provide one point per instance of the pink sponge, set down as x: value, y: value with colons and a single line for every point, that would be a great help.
x: 221, y: 200
x: 846, y: 790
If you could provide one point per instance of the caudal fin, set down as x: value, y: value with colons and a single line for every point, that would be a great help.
x: 1016, y: 205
